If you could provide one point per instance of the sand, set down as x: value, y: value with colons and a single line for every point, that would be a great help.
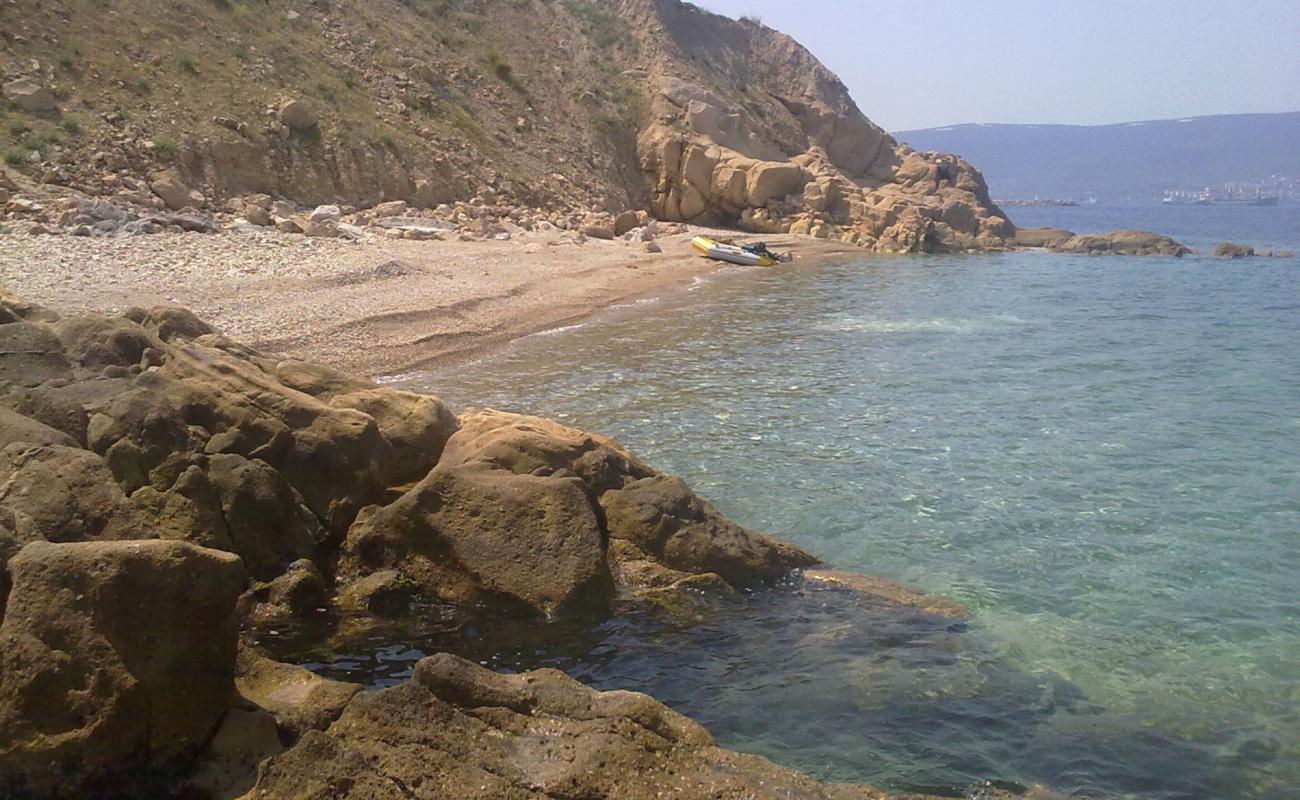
x: 374, y: 306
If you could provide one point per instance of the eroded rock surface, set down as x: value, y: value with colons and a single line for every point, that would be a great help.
x: 458, y: 730
x: 116, y: 662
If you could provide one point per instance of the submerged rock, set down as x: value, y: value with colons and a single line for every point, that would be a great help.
x: 458, y: 730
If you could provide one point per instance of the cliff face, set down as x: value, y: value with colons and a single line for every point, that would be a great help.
x: 750, y: 129
x: 639, y: 103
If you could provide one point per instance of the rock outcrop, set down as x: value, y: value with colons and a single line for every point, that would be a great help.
x: 161, y: 484
x: 116, y: 663
x: 457, y: 730
x: 321, y: 482
x: 1124, y: 243
x: 783, y: 148
x: 1232, y: 250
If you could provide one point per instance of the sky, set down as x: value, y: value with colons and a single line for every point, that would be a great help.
x: 942, y: 62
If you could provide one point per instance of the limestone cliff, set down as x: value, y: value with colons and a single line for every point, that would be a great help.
x: 569, y: 105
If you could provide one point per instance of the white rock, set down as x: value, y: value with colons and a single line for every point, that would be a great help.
x: 29, y: 95
x: 326, y: 213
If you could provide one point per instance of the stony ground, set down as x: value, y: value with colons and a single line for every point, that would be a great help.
x: 375, y: 305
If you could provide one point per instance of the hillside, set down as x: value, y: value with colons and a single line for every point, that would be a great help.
x: 568, y: 106
x: 1137, y: 161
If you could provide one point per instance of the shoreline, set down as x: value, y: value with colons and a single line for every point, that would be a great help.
x: 378, y: 307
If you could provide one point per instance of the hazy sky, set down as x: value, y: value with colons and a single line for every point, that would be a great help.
x: 940, y: 62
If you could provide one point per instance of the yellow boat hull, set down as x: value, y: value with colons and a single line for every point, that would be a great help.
x: 729, y: 253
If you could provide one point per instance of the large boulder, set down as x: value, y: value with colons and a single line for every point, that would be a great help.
x: 1232, y: 250
x: 174, y: 193
x: 474, y: 534
x: 268, y: 523
x: 667, y: 522
x: 169, y: 322
x: 49, y: 406
x: 1124, y: 243
x: 94, y: 341
x: 15, y: 427
x: 59, y: 493
x: 116, y: 663
x: 29, y: 95
x: 648, y: 516
x: 770, y: 180
x: 298, y: 116
x: 30, y: 354
x: 416, y: 427
x: 529, y: 445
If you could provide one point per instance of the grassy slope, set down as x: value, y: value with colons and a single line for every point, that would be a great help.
x: 425, y: 79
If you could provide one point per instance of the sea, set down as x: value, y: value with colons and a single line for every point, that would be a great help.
x: 1099, y: 456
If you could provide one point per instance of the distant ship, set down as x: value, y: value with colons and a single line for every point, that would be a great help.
x: 1205, y: 198
x: 1250, y: 201
x: 1188, y: 198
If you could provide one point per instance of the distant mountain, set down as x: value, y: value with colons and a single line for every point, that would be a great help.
x: 1130, y: 161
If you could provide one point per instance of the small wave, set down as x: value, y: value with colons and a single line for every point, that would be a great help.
x: 401, y: 377
x: 861, y: 324
x: 866, y: 325
x: 561, y: 329
x: 644, y: 301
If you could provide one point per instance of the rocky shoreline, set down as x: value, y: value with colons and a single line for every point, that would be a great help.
x: 167, y: 485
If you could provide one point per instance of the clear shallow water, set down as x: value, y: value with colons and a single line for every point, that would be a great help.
x: 1099, y: 456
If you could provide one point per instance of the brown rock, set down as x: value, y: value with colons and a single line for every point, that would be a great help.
x: 770, y: 180
x: 472, y: 534
x: 269, y: 525
x: 416, y: 426
x: 1141, y: 243
x: 257, y: 215
x: 116, y: 660
x: 298, y: 116
x: 174, y: 193
x: 170, y: 322
x: 299, y: 700
x: 15, y: 427
x: 59, y: 493
x: 387, y: 593
x: 1233, y: 250
x: 48, y: 406
x: 536, y: 446
x: 536, y: 735
x: 95, y: 341
x: 665, y: 520
x: 598, y: 231
x: 29, y: 95
x: 1042, y: 237
x: 625, y: 222
x: 30, y: 354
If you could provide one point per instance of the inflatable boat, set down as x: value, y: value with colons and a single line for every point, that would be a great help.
x: 732, y: 253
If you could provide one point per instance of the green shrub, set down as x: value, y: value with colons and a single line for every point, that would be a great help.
x: 15, y: 157
x: 187, y: 63
x: 165, y: 146
x: 499, y: 67
x: 71, y: 126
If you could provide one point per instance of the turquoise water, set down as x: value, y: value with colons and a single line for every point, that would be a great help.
x: 1099, y: 456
